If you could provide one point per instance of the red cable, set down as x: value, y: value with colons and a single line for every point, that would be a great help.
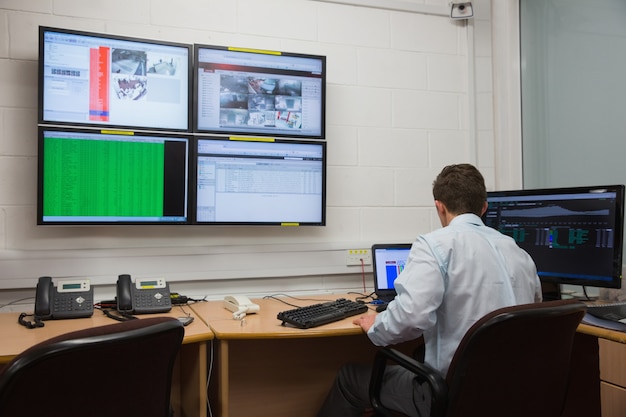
x: 363, y: 274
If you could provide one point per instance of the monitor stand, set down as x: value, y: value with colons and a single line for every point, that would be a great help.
x: 550, y: 291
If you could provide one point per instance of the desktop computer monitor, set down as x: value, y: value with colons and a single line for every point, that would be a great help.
x: 574, y: 235
x: 104, y: 80
x: 260, y: 182
x: 93, y: 177
x: 241, y: 91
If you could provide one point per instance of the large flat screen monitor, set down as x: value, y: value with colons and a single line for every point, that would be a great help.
x: 574, y: 235
x: 91, y: 177
x: 259, y: 93
x: 274, y: 182
x: 104, y: 80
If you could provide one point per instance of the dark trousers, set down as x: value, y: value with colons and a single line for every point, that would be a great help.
x: 349, y: 395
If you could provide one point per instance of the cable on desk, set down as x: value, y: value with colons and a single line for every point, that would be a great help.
x: 16, y: 301
x: 177, y: 299
x: 374, y: 304
x: 30, y: 324
x: 275, y: 297
x: 587, y: 298
x: 182, y: 309
x: 361, y: 296
x: 106, y: 304
x: 116, y: 314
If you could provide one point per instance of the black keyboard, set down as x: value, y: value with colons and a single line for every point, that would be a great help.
x: 612, y: 311
x: 323, y: 313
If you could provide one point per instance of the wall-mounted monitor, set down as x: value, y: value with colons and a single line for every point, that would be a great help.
x: 259, y: 93
x: 95, y: 177
x: 104, y: 80
x: 574, y: 235
x: 273, y: 182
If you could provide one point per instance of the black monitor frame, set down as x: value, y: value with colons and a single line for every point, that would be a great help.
x: 550, y: 209
x: 259, y: 93
x: 89, y: 182
x: 73, y: 60
x: 264, y: 163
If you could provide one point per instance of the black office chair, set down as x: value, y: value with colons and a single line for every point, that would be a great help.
x: 118, y: 370
x: 513, y: 362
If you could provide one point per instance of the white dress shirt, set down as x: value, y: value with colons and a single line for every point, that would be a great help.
x: 453, y: 277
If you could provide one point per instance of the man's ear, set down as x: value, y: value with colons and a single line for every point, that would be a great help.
x: 484, y: 208
x: 441, y: 208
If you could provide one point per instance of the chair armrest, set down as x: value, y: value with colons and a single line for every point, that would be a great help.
x: 438, y: 386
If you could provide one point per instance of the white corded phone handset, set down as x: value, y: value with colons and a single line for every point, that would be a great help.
x: 240, y: 305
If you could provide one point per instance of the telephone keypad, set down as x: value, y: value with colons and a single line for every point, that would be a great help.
x: 152, y: 301
x: 72, y: 305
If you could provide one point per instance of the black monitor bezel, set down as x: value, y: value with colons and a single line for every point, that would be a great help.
x: 616, y: 276
x: 251, y: 132
x: 41, y: 64
x: 385, y: 292
x: 40, y: 169
x: 286, y: 223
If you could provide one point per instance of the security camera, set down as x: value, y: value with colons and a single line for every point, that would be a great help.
x: 461, y: 10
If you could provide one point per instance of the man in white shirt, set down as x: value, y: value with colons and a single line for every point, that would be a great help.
x: 453, y: 277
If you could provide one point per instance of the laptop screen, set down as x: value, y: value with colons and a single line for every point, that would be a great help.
x: 388, y: 261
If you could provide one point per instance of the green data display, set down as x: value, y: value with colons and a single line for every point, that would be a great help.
x: 103, y: 178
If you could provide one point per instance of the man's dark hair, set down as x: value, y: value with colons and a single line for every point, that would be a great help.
x: 461, y: 188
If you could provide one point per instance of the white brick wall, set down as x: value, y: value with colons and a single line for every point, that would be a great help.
x: 399, y: 107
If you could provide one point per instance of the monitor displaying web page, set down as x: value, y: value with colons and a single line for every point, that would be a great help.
x: 574, y: 235
x: 259, y: 93
x: 105, y: 80
x: 91, y: 177
x: 269, y: 182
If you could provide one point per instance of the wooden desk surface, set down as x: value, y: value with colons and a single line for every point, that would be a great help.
x: 18, y: 338
x: 602, y: 333
x: 265, y: 324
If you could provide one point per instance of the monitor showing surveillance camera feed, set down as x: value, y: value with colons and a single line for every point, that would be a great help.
x: 259, y: 93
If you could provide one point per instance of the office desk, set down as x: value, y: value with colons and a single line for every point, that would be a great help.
x: 612, y: 368
x: 283, y: 371
x: 190, y: 373
x: 286, y: 371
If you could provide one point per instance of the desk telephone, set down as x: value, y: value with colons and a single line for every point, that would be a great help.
x: 143, y: 296
x: 69, y: 299
x: 240, y: 305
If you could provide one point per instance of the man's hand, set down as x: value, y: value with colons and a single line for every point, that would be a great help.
x: 365, y: 321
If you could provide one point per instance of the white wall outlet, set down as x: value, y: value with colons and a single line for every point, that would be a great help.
x: 358, y: 257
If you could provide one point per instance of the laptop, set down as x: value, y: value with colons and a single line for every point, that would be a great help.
x: 388, y: 260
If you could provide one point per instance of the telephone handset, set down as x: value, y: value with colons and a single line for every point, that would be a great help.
x: 143, y: 296
x: 240, y: 305
x: 69, y: 299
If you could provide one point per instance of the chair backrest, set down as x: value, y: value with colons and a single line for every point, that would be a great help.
x: 122, y: 369
x: 515, y: 361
